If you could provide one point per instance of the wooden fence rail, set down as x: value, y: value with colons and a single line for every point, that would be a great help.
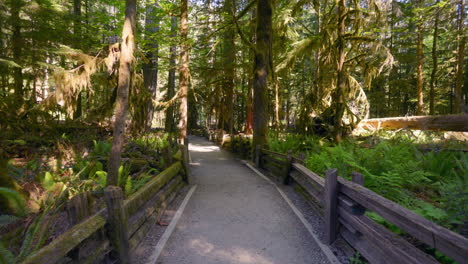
x: 344, y: 203
x: 120, y: 226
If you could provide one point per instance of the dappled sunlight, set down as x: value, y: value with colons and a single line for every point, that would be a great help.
x: 198, y: 148
x: 233, y: 255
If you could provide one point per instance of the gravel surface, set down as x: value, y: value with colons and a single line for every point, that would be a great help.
x: 234, y: 216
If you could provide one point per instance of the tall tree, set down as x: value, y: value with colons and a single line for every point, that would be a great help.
x: 184, y: 72
x: 127, y: 49
x: 262, y: 66
x: 229, y: 62
x: 420, y: 61
x: 169, y: 121
x: 340, y: 91
x: 150, y: 68
x: 460, y: 58
x: 17, y: 46
x: 435, y: 36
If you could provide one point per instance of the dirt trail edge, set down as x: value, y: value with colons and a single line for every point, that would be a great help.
x: 235, y: 216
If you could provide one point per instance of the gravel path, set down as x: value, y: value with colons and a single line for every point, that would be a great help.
x: 235, y: 216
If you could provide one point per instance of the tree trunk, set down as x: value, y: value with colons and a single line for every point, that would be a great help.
x: 17, y: 47
x: 436, y: 123
x: 434, y: 61
x: 458, y: 107
x: 338, y: 95
x: 277, y: 121
x: 261, y: 69
x: 229, y: 50
x: 169, y: 122
x: 150, y: 68
x: 184, y: 72
x: 419, y: 72
x: 78, y: 45
x: 121, y: 106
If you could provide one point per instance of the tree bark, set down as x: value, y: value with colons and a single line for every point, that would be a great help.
x: 434, y: 62
x: 17, y: 47
x: 458, y: 102
x: 169, y: 122
x: 150, y: 68
x: 338, y: 95
x: 419, y: 70
x: 229, y: 71
x: 184, y: 72
x: 436, y: 123
x: 261, y: 69
x: 121, y: 105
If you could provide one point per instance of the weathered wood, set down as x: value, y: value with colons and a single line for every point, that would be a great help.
x: 437, y: 123
x: 331, y: 202
x: 185, y: 162
x: 279, y: 160
x: 394, y: 247
x: 178, y: 155
x: 273, y: 153
x: 136, y: 200
x: 117, y: 223
x: 309, y: 187
x: 167, y: 156
x: 258, y: 156
x: 370, y: 251
x: 440, y: 238
x: 152, y: 205
x: 78, y: 209
x: 359, y: 179
x: 350, y: 206
x: 98, y: 254
x: 61, y: 245
x: 287, y: 168
x: 309, y: 174
x: 279, y: 165
x: 161, y: 205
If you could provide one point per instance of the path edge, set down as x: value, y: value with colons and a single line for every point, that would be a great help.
x: 170, y: 229
x: 325, y: 249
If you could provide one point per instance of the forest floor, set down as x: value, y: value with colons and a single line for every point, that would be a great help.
x: 235, y: 216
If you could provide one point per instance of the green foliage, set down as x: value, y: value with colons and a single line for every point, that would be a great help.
x: 15, y: 199
x: 434, y: 184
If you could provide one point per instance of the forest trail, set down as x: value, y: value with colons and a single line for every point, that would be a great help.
x: 235, y: 216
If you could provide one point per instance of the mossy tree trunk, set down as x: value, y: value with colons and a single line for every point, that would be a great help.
x: 458, y: 102
x: 434, y: 62
x: 338, y: 94
x: 229, y: 50
x: 169, y: 122
x: 419, y: 69
x: 184, y: 72
x: 121, y: 105
x: 150, y: 68
x: 17, y: 47
x: 261, y: 70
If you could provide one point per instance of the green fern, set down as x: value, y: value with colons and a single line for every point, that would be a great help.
x: 15, y: 199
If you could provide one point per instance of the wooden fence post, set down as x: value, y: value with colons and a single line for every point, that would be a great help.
x: 167, y: 156
x: 287, y: 169
x: 258, y: 156
x: 359, y: 179
x: 78, y: 208
x: 185, y: 162
x: 117, y: 223
x: 331, y: 204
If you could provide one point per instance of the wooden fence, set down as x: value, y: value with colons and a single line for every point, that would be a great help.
x: 343, y: 204
x: 118, y: 228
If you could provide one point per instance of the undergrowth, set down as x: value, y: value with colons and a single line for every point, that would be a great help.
x: 434, y: 184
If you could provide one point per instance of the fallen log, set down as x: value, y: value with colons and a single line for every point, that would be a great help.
x: 435, y: 123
